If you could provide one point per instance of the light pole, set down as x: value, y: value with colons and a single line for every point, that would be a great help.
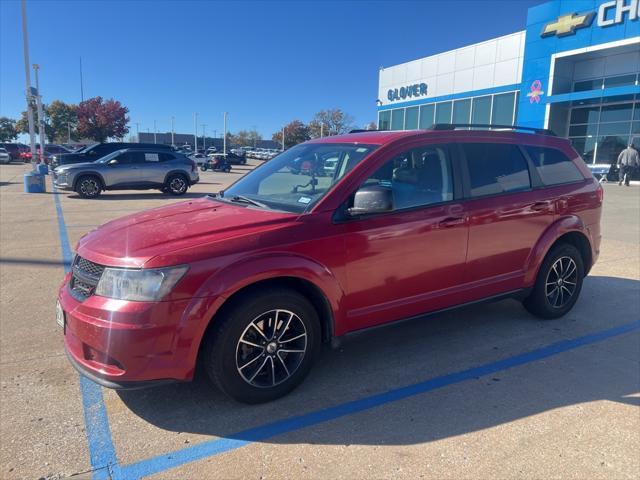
x: 173, y: 119
x: 25, y: 44
x: 224, y: 139
x: 138, y: 131
x: 69, y: 133
x: 195, y: 132
x: 321, y: 129
x: 204, y: 138
x: 255, y: 135
x: 155, y: 132
x: 36, y: 67
x: 283, y: 139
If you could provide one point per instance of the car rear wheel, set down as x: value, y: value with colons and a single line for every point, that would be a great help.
x: 558, y: 284
x: 89, y: 186
x: 203, y: 168
x: 263, y: 346
x: 177, y: 184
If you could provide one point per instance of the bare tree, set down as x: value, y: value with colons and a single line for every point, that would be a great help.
x: 330, y: 122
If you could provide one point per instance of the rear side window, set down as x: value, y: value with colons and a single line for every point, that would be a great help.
x: 166, y: 157
x: 496, y: 168
x: 553, y: 166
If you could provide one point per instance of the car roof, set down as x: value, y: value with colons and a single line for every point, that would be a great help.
x: 383, y: 137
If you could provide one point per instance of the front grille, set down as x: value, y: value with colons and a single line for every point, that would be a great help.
x: 85, y: 278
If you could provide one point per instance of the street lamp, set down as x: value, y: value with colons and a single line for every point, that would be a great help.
x: 224, y: 139
x: 173, y: 119
x: 155, y: 132
x: 204, y: 138
x: 195, y: 131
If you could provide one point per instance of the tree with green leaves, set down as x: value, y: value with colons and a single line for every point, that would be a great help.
x: 294, y: 133
x: 8, y: 131
x: 22, y: 125
x: 63, y: 120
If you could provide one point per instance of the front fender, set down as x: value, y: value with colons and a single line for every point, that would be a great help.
x: 561, y: 226
x: 234, y: 277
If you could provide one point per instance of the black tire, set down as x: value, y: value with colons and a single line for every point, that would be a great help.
x: 230, y: 362
x: 177, y: 184
x: 88, y: 186
x: 227, y: 169
x: 557, y: 275
x: 203, y: 168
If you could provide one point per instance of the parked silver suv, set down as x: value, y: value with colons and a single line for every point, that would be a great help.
x: 130, y: 169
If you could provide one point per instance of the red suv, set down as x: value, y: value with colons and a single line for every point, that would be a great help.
x: 250, y: 282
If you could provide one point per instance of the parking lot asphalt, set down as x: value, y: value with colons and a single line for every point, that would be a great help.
x: 484, y: 392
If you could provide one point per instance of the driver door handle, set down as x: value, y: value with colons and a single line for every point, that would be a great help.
x: 452, y: 222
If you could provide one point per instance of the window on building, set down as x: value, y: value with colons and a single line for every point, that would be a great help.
x: 503, y: 105
x: 586, y: 85
x: 418, y: 177
x: 384, y: 120
x: 411, y: 118
x: 620, y: 81
x: 427, y: 115
x: 462, y: 111
x: 443, y: 112
x: 616, y: 113
x: 481, y: 111
x: 496, y: 168
x: 585, y: 115
x: 397, y: 119
x: 553, y: 166
x: 585, y: 146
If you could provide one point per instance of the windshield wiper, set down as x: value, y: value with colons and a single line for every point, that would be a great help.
x: 243, y: 199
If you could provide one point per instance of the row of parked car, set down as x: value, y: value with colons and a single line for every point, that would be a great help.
x: 261, y: 153
x: 19, y: 152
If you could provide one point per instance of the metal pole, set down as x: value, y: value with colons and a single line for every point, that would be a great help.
x: 43, y: 142
x: 81, y: 83
x: 283, y: 139
x: 27, y: 74
x: 195, y: 132
x: 204, y: 138
x: 224, y: 140
x: 138, y: 131
x: 321, y: 129
x: 155, y: 132
x: 173, y: 119
x: 69, y: 133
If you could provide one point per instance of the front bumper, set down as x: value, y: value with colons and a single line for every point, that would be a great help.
x: 122, y: 344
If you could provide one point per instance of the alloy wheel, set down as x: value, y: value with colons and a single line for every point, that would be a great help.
x: 89, y: 187
x: 561, y: 282
x: 271, y: 348
x: 178, y: 185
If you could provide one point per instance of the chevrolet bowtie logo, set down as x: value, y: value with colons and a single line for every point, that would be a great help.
x: 567, y: 24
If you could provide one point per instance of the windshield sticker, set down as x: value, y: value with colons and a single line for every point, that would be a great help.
x: 151, y: 157
x: 304, y: 200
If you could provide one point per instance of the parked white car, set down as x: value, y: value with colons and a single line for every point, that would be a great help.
x: 199, y: 158
x: 4, y: 156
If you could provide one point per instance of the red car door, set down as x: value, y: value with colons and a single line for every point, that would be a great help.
x: 410, y: 260
x: 507, y: 216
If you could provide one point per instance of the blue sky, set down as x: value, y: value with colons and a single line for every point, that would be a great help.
x: 265, y: 63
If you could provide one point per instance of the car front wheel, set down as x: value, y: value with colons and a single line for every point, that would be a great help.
x: 262, y: 347
x: 89, y: 187
x: 558, y: 284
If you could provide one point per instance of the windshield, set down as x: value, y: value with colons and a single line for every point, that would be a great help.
x: 296, y: 179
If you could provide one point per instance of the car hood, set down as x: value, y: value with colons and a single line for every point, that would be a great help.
x: 134, y: 240
x: 67, y: 158
x: 73, y: 166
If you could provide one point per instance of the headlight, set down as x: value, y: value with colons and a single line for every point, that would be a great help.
x: 144, y: 285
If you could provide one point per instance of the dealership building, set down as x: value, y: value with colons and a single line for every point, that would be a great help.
x: 574, y: 69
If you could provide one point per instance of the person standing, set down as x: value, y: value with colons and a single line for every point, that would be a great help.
x: 628, y: 160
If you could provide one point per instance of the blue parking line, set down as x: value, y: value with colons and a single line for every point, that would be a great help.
x: 102, y: 453
x: 211, y: 448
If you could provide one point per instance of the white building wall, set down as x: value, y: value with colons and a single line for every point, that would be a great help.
x: 489, y: 64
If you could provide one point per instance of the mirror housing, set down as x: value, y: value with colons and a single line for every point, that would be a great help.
x: 113, y: 161
x: 372, y: 199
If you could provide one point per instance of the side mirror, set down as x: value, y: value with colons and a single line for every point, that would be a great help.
x: 113, y: 161
x: 372, y: 199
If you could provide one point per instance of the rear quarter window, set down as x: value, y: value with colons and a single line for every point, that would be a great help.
x: 553, y: 166
x: 495, y: 168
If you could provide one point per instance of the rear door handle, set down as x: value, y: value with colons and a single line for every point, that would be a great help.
x: 540, y: 206
x: 451, y: 221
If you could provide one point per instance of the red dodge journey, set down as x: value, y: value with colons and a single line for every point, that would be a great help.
x: 330, y: 237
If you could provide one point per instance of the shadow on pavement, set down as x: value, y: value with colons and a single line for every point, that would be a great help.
x: 426, y: 348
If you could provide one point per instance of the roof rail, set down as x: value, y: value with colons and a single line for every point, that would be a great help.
x: 360, y: 130
x: 455, y: 126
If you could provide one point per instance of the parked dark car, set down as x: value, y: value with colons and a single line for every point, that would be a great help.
x: 15, y: 150
x: 235, y: 159
x: 99, y: 150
